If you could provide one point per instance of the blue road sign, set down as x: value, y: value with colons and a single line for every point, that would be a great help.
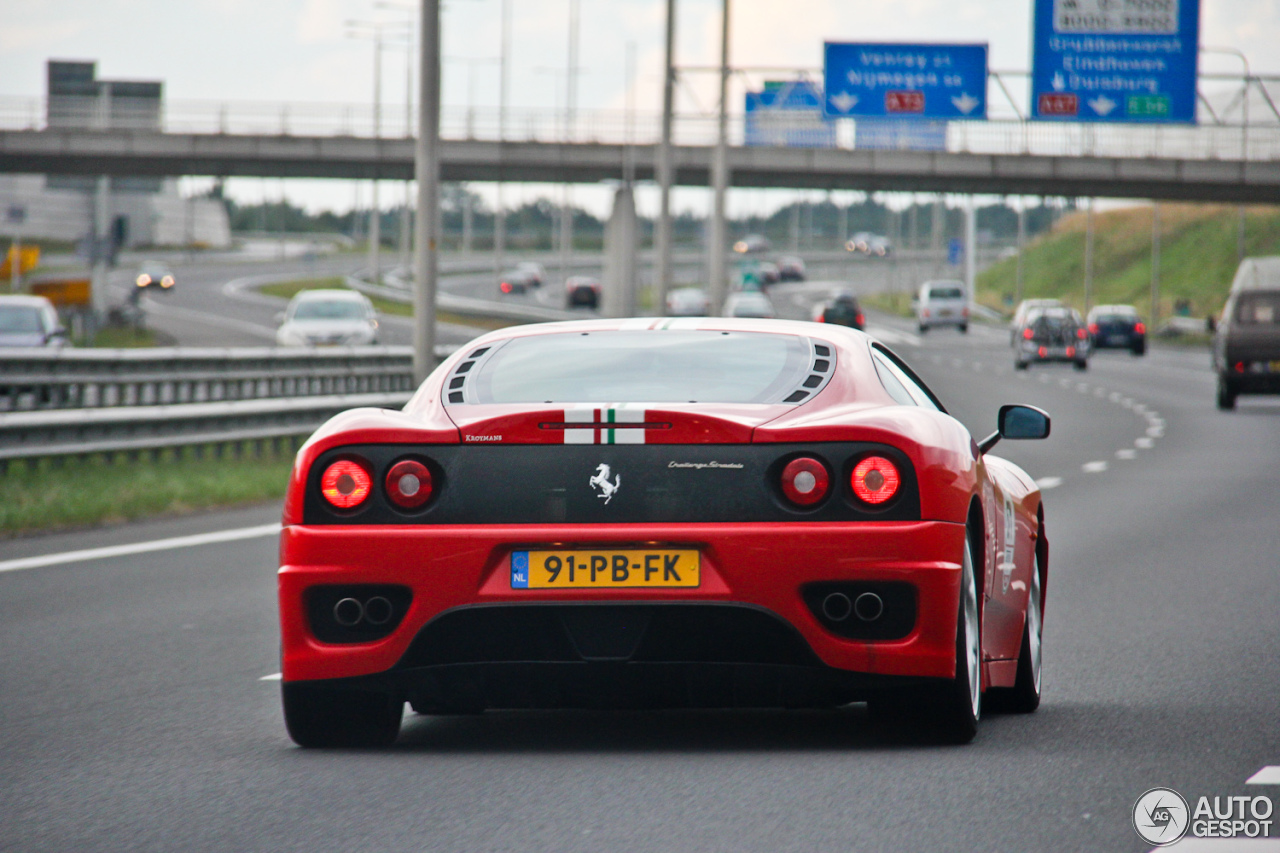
x: 955, y: 252
x: 937, y: 81
x: 1115, y: 60
x: 788, y: 114
x: 891, y: 134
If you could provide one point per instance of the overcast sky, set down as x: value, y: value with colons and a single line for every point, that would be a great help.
x: 298, y: 50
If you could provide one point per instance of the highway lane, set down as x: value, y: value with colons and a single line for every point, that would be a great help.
x: 133, y: 715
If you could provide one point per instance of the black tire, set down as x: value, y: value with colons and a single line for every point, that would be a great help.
x: 321, y: 717
x: 964, y: 328
x: 1139, y: 349
x: 923, y: 328
x: 1024, y: 696
x: 1226, y: 395
x: 948, y: 710
x: 1081, y: 365
x: 1019, y: 364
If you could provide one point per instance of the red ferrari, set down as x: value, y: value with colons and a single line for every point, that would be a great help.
x: 658, y: 513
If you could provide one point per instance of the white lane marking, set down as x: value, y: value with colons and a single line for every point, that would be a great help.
x: 1046, y: 483
x: 977, y: 365
x: 1127, y: 454
x: 1094, y: 467
x: 1082, y: 388
x: 1155, y: 432
x: 275, y: 676
x: 1114, y: 396
x: 140, y: 547
x: 1044, y: 377
x: 957, y: 363
x: 1099, y: 392
x: 1064, y: 383
x: 1269, y: 775
x: 1145, y: 443
x: 893, y: 336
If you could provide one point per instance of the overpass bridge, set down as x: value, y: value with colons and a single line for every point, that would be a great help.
x: 1209, y: 162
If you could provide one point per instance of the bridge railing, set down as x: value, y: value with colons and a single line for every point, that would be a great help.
x: 80, y: 402
x: 1220, y: 135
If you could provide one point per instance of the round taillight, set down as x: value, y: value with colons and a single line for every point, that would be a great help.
x: 1028, y: 334
x: 805, y: 481
x: 1140, y: 328
x: 875, y: 480
x: 346, y: 484
x: 409, y: 484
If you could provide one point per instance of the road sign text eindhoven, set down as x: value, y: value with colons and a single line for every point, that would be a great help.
x: 905, y: 80
x: 1115, y: 60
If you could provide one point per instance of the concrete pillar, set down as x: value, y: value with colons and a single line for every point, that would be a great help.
x: 101, y: 226
x: 618, y: 296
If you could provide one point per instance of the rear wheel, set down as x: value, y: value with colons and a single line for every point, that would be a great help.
x: 1226, y: 395
x: 1024, y: 696
x: 948, y: 711
x: 1081, y: 365
x: 1019, y: 364
x: 321, y: 717
x: 964, y: 327
x: 923, y: 328
x: 1139, y: 348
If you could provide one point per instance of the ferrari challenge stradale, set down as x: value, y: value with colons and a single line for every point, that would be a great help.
x: 691, y: 513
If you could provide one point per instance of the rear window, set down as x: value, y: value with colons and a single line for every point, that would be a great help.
x: 338, y: 309
x: 1258, y: 309
x: 946, y: 293
x: 673, y: 366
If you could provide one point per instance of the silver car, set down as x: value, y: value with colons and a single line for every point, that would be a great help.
x: 30, y: 321
x: 328, y: 318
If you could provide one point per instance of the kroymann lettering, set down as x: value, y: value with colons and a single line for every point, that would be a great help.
x: 482, y: 437
x: 701, y: 465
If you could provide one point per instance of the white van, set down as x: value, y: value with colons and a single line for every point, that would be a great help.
x: 942, y: 303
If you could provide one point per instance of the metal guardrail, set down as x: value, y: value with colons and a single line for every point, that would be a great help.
x: 81, y: 402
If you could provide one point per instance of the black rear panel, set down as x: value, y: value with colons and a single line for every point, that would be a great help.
x: 553, y: 484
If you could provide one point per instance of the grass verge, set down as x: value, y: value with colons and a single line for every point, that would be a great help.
x: 52, y: 496
x: 287, y: 290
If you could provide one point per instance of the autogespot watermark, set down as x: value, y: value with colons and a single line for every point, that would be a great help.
x: 1162, y: 816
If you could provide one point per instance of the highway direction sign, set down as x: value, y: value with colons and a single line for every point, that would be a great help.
x: 1115, y: 60
x: 788, y: 114
x: 935, y: 81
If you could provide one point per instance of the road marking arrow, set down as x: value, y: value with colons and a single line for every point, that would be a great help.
x: 965, y: 103
x: 844, y: 101
x: 1102, y: 105
x: 1059, y: 82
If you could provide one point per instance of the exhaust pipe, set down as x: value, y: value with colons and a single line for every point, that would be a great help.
x: 348, y: 612
x: 837, y: 607
x: 868, y: 607
x: 377, y: 610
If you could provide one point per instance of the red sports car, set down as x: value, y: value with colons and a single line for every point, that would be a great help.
x: 701, y: 512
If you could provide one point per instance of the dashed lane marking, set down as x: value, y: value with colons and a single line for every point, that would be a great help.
x: 140, y: 547
x: 1046, y: 483
x: 1127, y: 454
x: 893, y: 336
x: 1094, y: 467
x: 1146, y: 442
x: 275, y: 676
x: 1269, y: 775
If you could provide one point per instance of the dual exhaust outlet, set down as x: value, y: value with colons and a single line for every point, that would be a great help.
x: 374, y: 611
x: 867, y: 607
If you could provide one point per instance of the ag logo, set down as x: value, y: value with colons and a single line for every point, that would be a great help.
x: 1160, y: 816
x: 600, y: 482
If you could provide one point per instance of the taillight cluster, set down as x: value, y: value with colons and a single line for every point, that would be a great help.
x: 874, y: 481
x: 347, y: 483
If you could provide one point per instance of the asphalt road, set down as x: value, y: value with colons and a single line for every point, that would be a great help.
x: 133, y: 714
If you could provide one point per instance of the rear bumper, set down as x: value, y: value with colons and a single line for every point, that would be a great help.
x: 753, y: 576
x: 1253, y: 383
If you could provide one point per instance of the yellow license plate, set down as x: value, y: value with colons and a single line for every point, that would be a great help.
x: 604, y: 569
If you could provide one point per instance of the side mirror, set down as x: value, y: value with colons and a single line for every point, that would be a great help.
x: 1017, y: 422
x: 279, y: 317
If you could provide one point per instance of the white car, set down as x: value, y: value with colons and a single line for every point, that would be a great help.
x: 687, y: 302
x: 328, y: 318
x: 748, y: 303
x: 942, y: 303
x: 30, y: 321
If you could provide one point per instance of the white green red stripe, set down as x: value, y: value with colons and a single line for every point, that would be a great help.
x: 595, y: 424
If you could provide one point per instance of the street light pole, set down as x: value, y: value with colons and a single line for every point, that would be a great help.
x: 662, y: 229
x: 720, y: 174
x: 499, y: 213
x: 427, y: 169
x: 1244, y: 136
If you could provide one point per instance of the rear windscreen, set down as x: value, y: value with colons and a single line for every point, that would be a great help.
x: 671, y: 366
x: 946, y: 293
x: 1260, y: 309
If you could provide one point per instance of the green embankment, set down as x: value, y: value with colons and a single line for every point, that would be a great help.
x: 1198, y: 249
